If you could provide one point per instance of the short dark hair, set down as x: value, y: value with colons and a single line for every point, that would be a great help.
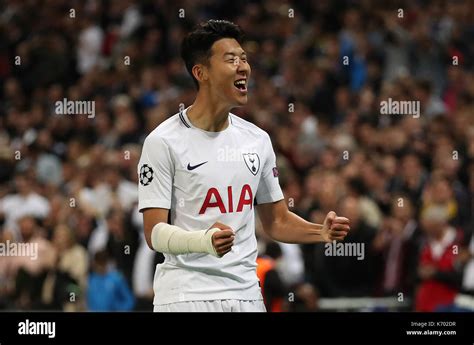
x: 273, y: 250
x: 101, y: 257
x: 196, y: 46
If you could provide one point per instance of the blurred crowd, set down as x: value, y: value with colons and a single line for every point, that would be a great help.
x: 319, y: 72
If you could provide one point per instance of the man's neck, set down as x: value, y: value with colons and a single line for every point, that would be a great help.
x: 438, y: 237
x: 208, y: 114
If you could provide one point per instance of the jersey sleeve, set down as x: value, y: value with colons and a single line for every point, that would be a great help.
x: 269, y: 187
x: 155, y: 174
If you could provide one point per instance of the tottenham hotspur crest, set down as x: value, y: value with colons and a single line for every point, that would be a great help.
x: 252, y: 161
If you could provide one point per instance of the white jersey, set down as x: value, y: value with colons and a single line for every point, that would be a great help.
x: 202, y: 178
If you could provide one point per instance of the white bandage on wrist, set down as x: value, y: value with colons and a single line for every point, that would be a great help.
x: 171, y: 239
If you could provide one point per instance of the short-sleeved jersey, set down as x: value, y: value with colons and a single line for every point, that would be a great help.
x: 202, y: 178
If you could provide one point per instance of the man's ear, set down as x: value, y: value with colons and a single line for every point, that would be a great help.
x: 200, y: 72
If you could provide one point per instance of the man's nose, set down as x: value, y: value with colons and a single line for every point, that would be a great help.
x: 242, y: 67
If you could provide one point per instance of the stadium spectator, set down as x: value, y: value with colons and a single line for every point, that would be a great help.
x: 440, y: 278
x: 398, y: 240
x: 273, y: 288
x: 65, y: 284
x: 107, y: 288
x: 25, y: 202
x: 30, y: 269
x: 364, y: 266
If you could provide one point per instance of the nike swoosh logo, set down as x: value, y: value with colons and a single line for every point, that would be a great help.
x: 192, y: 167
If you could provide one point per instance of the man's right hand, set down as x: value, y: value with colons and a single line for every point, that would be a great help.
x: 222, y: 240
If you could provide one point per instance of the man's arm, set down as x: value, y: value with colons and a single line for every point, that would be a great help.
x: 151, y: 217
x: 284, y: 226
x: 221, y: 241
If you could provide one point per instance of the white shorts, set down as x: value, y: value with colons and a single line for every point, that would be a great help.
x: 226, y: 305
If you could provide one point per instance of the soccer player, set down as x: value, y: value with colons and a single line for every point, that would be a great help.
x: 202, y: 172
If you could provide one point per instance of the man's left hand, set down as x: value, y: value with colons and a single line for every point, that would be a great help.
x: 335, y: 228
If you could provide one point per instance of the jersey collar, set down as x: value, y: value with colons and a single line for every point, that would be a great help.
x: 183, y: 116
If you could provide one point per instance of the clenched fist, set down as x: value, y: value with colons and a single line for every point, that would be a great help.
x: 335, y: 228
x: 222, y: 240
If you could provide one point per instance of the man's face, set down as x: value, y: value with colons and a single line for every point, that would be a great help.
x: 22, y: 185
x: 228, y: 72
x: 433, y: 228
x: 350, y: 208
x: 27, y: 227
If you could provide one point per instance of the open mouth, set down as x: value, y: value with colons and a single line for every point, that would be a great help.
x: 241, y: 85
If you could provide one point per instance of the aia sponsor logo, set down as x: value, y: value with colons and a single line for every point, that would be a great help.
x: 214, y: 199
